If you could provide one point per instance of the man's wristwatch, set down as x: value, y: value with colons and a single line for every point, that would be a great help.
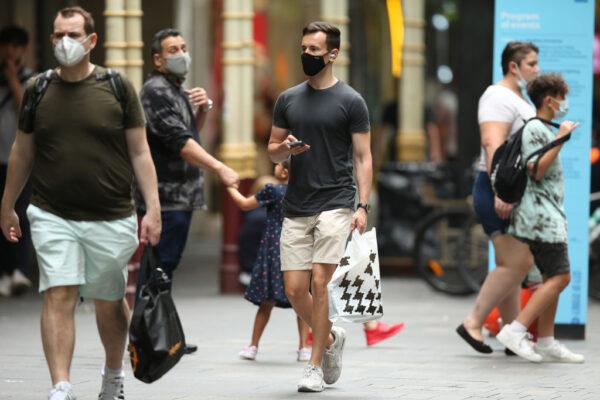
x: 365, y: 206
x: 207, y: 106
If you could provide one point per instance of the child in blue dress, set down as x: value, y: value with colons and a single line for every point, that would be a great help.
x: 266, y: 287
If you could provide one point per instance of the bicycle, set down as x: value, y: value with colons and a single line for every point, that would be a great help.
x: 450, y: 246
x: 446, y: 244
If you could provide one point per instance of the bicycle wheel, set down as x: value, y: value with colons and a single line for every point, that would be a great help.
x: 594, y: 280
x: 437, y: 250
x: 594, y: 266
x: 473, y: 254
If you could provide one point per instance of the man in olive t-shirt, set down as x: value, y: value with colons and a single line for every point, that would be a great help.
x: 83, y: 149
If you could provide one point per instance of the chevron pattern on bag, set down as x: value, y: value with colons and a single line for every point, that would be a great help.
x: 352, y: 294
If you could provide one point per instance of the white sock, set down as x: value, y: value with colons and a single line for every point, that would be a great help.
x: 66, y: 385
x: 517, y: 327
x: 112, y: 373
x: 545, y: 342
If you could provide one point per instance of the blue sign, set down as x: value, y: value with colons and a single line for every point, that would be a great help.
x: 564, y: 32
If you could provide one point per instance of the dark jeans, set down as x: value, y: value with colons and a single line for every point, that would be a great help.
x: 175, y: 228
x: 17, y: 255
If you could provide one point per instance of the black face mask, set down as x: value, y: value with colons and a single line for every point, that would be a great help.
x: 312, y: 65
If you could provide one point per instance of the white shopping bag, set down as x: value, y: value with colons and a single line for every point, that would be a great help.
x: 355, y: 288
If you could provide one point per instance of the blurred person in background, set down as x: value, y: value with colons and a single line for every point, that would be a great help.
x: 15, y: 258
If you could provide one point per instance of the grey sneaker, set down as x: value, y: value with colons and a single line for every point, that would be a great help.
x: 312, y: 380
x: 62, y: 391
x: 332, y: 358
x: 112, y: 388
x: 519, y: 343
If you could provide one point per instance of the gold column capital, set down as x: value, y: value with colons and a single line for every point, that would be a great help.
x: 241, y: 157
x: 411, y: 145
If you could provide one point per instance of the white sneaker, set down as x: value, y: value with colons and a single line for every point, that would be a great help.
x: 519, y: 342
x: 62, y: 391
x: 558, y: 352
x: 332, y: 357
x: 312, y: 380
x: 304, y: 354
x: 5, y: 284
x: 244, y: 278
x: 19, y: 283
x: 248, y: 353
x: 112, y: 388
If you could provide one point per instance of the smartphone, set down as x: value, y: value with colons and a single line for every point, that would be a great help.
x: 297, y: 143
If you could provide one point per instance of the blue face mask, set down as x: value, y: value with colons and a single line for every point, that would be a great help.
x: 563, y: 108
x: 522, y: 84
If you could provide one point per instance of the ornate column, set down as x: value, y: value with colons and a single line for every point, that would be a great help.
x: 115, y: 44
x: 238, y: 148
x: 193, y: 20
x: 410, y: 138
x: 135, y: 45
x: 336, y: 13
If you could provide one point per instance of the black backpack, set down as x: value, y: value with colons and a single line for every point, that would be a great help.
x: 41, y: 84
x: 509, y: 166
x: 156, y: 338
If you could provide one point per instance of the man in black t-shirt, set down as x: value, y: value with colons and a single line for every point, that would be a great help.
x: 331, y: 122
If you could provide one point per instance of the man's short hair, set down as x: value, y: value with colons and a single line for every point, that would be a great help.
x: 156, y: 44
x: 551, y: 84
x: 88, y: 21
x: 516, y: 51
x: 332, y: 32
x: 14, y: 35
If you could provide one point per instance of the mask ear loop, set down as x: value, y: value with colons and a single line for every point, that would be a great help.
x: 85, y: 40
x: 519, y: 75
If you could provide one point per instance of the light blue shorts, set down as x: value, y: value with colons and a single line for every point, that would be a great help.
x: 90, y: 254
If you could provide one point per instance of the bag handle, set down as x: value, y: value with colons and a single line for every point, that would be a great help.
x: 151, y: 274
x: 153, y: 258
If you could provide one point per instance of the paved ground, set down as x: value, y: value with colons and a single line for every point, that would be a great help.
x: 425, y: 361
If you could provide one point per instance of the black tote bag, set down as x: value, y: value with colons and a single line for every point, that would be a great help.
x: 156, y: 339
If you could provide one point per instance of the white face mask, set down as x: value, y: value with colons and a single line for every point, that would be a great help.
x: 179, y: 64
x: 563, y: 108
x: 69, y: 51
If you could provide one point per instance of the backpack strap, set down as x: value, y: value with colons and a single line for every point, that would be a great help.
x: 39, y: 89
x: 117, y: 86
x: 547, y: 147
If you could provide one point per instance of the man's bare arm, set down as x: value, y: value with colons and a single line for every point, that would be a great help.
x: 363, y: 167
x: 194, y: 154
x: 145, y: 174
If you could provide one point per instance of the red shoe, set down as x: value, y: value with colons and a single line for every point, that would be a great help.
x: 309, y: 338
x: 382, y: 332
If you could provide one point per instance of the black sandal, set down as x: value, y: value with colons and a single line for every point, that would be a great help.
x: 478, y: 345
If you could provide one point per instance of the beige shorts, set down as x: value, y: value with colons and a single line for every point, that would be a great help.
x: 318, y: 239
